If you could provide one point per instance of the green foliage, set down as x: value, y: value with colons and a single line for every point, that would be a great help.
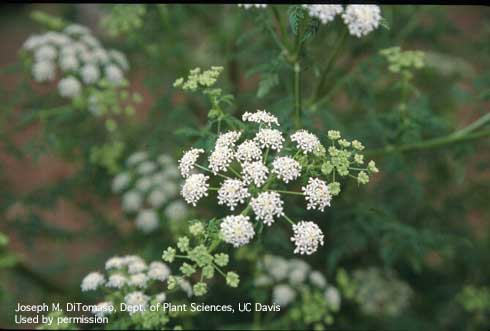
x: 414, y: 98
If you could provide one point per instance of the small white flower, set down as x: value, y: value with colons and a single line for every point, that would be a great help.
x: 33, y: 42
x: 92, y: 281
x: 136, y: 260
x: 232, y: 192
x: 157, y: 198
x: 158, y: 271
x: 132, y: 201
x: 90, y: 40
x: 137, y: 302
x: 188, y: 161
x: 270, y: 138
x: 165, y: 160
x: 283, y: 295
x: 248, y: 151
x: 119, y: 58
x: 317, y: 194
x: 116, y: 281
x: 325, y: 13
x: 220, y: 159
x: 305, y: 141
x: 317, y: 279
x: 69, y: 87
x: 262, y: 280
x: 260, y: 117
x: 267, y: 206
x: 103, y: 309
x: 307, y: 237
x: 237, y: 230
x: 46, y: 53
x: 332, y: 296
x: 144, y: 184
x: 138, y: 280
x: 147, y: 220
x: 136, y: 158
x: 69, y: 62
x: 176, y: 211
x: 146, y: 168
x: 43, y: 71
x: 102, y: 57
x: 76, y: 29
x: 195, y: 187
x: 252, y: 5
x: 136, y: 265
x: 171, y: 171
x: 56, y: 38
x: 255, y: 172
x: 114, y: 74
x: 90, y: 73
x: 298, y: 270
x: 93, y: 105
x: 286, y: 168
x: 121, y: 182
x: 362, y: 19
x: 170, y: 188
x: 276, y: 266
x: 185, y: 286
x: 115, y: 262
x: 228, y: 139
x: 161, y: 297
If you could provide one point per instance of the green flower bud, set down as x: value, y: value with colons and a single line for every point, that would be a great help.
x: 372, y: 167
x: 232, y: 279
x: 187, y: 269
x: 333, y: 134
x: 169, y: 255
x: 171, y: 282
x: 196, y: 229
x: 200, y: 289
x: 221, y: 259
x: 334, y: 188
x: 358, y: 158
x: 362, y: 178
x: 183, y: 243
x: 357, y: 145
x: 208, y: 271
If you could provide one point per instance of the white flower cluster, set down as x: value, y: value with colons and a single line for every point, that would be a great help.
x: 250, y: 175
x: 307, y: 237
x: 78, y: 56
x: 360, y: 19
x: 252, y: 5
x: 287, y: 278
x: 131, y: 275
x: 325, y: 13
x: 149, y: 187
x: 380, y: 292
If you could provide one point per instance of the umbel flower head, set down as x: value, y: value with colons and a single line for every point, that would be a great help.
x: 132, y: 280
x: 252, y: 168
x: 77, y: 59
x: 360, y: 19
x: 150, y: 187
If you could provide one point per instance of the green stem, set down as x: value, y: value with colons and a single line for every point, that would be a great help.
x: 236, y: 173
x: 428, y: 144
x: 208, y: 170
x: 324, y: 74
x: 473, y: 126
x: 288, y: 219
x: 297, y: 94
x: 288, y: 192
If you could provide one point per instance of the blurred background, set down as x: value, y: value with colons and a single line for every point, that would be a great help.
x: 426, y: 215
